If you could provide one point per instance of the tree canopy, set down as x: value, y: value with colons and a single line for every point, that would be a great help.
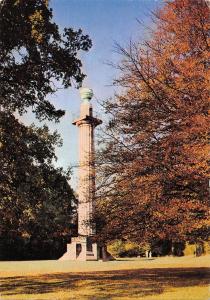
x: 154, y: 162
x: 35, y: 56
x: 37, y: 204
x: 36, y: 199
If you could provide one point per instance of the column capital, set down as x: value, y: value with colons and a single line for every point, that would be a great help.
x: 87, y: 120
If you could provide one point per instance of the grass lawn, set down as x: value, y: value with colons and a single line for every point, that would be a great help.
x: 167, y: 278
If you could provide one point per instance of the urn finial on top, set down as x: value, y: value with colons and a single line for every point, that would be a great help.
x: 86, y: 94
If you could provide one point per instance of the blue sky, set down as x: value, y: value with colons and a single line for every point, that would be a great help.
x: 106, y: 22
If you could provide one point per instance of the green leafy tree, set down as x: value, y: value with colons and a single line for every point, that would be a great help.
x: 36, y: 58
x: 37, y: 202
x: 34, y: 55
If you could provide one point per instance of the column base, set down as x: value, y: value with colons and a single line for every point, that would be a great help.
x: 83, y: 249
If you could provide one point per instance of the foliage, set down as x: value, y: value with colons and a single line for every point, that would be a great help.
x: 115, y: 248
x: 154, y: 161
x: 36, y: 199
x: 35, y: 56
x: 119, y: 248
x: 37, y: 202
x: 37, y: 205
x: 207, y: 247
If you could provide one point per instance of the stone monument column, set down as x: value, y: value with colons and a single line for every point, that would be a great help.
x: 81, y: 247
x: 86, y: 190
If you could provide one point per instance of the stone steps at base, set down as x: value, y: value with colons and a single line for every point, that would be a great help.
x: 68, y: 256
x: 89, y: 253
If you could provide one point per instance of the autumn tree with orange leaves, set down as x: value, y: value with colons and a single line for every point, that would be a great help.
x: 154, y: 162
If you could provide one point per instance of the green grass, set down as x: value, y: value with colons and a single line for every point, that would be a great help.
x: 160, y: 279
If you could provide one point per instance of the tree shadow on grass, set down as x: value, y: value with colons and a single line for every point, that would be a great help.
x: 105, y: 285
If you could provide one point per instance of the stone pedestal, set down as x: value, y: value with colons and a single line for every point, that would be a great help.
x: 81, y: 248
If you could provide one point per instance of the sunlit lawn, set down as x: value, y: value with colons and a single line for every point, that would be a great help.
x: 159, y: 279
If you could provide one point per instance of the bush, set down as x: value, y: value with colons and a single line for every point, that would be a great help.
x: 120, y: 248
x: 161, y: 247
x: 116, y: 247
x: 131, y: 250
x: 207, y: 247
x: 189, y: 249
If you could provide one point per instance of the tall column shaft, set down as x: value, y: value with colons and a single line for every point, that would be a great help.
x: 86, y: 179
x: 86, y: 188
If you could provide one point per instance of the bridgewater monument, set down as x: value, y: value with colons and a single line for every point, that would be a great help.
x: 82, y: 247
